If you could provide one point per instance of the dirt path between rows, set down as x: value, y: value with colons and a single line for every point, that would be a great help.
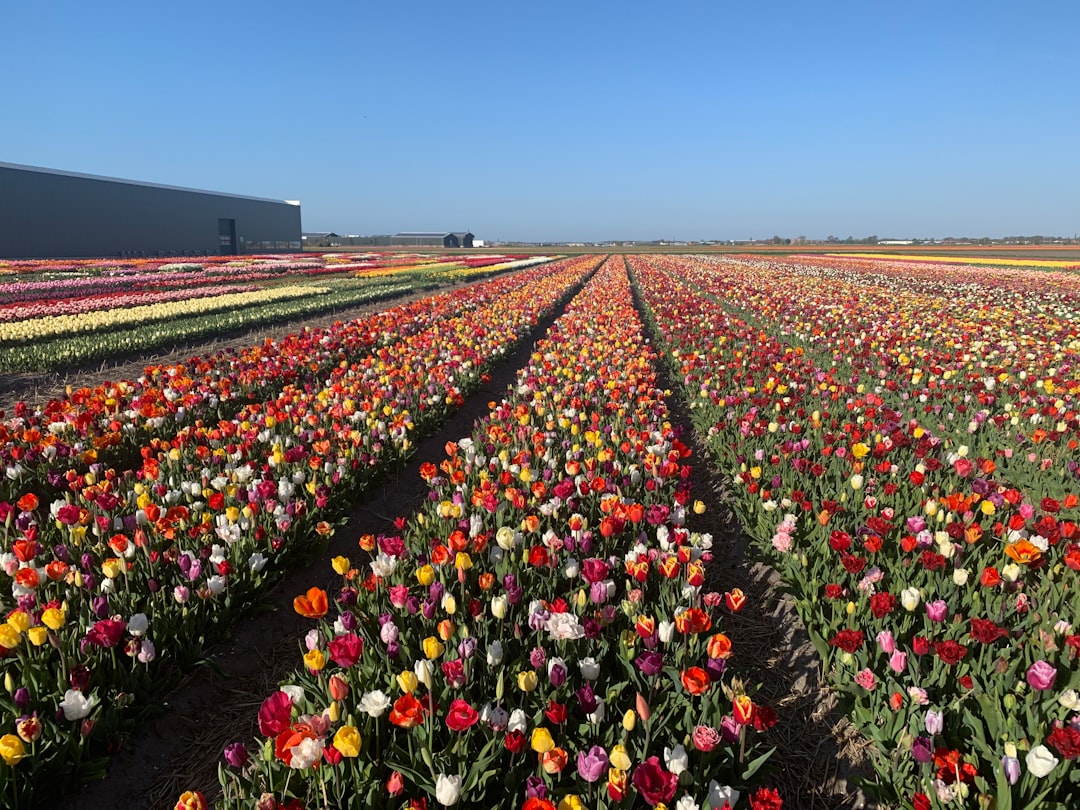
x: 180, y: 749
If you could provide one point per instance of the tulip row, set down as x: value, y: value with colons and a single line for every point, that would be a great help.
x: 885, y: 453
x: 127, y: 562
x: 106, y: 424
x: 91, y: 279
x: 996, y: 261
x: 113, y: 421
x: 144, y: 280
x: 94, y: 303
x: 48, y: 327
x: 927, y: 276
x: 537, y: 634
x: 65, y: 351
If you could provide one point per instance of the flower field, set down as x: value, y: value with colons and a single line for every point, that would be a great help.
x: 900, y: 441
x: 908, y: 461
x: 145, y: 515
x: 538, y: 634
x: 56, y: 315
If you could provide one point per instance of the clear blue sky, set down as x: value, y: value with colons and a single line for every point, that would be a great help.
x: 569, y: 120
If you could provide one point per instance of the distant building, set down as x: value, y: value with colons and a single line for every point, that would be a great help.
x: 460, y: 239
x: 321, y: 239
x: 47, y: 213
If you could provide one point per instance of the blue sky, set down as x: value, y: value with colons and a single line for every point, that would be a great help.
x: 569, y: 120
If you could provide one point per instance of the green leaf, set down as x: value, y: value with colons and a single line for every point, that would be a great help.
x: 756, y: 764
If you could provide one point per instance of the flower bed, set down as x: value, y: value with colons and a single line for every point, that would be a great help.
x: 112, y: 422
x: 536, y: 635
x: 913, y: 476
x: 125, y: 563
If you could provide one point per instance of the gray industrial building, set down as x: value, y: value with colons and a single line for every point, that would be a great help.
x: 46, y: 213
x: 458, y: 239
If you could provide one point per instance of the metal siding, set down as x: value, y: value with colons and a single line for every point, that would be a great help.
x: 56, y: 215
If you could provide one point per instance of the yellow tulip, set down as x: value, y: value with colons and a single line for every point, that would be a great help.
x: 37, y: 635
x: 341, y: 565
x: 20, y: 620
x: 527, y: 681
x: 407, y: 681
x: 347, y: 741
x: 53, y: 618
x: 9, y: 636
x: 619, y: 758
x: 12, y: 749
x: 433, y: 648
x: 541, y: 740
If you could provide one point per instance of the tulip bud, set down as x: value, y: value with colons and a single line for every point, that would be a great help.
x: 629, y: 720
x: 339, y: 689
x: 642, y: 706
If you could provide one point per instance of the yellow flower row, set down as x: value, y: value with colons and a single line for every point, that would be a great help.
x: 997, y: 260
x: 52, y: 326
x: 488, y: 269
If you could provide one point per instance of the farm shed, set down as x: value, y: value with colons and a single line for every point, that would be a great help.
x: 48, y: 213
x: 457, y: 239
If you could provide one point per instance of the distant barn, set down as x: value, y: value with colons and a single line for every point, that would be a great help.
x: 457, y: 239
x: 48, y: 213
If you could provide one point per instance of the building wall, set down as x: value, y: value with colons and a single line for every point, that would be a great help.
x: 54, y: 214
x: 419, y: 241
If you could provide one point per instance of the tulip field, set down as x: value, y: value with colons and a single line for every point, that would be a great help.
x: 900, y: 441
x: 55, y: 315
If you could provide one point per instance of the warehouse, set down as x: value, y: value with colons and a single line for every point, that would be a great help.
x: 46, y: 213
x: 459, y: 239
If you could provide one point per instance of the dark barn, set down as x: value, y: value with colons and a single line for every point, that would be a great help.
x: 459, y: 239
x: 46, y: 213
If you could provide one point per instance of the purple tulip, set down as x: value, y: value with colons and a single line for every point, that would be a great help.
x: 715, y: 668
x: 587, y: 698
x: 467, y: 647
x: 649, y: 662
x: 922, y: 750
x: 236, y: 754
x: 557, y: 675
x: 591, y: 764
x: 729, y: 729
x: 100, y: 606
x: 535, y: 788
x: 936, y: 611
x: 1011, y: 767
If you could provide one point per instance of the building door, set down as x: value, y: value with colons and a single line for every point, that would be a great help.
x: 226, y: 237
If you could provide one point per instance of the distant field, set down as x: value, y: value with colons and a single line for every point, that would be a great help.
x: 1055, y: 252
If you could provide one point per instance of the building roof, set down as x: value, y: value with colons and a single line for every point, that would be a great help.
x: 439, y: 234
x: 41, y: 170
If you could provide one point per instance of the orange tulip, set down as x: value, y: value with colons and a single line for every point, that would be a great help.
x: 313, y: 605
x: 695, y: 680
x: 719, y: 646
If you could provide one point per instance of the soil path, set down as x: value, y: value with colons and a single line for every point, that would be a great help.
x: 218, y: 704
